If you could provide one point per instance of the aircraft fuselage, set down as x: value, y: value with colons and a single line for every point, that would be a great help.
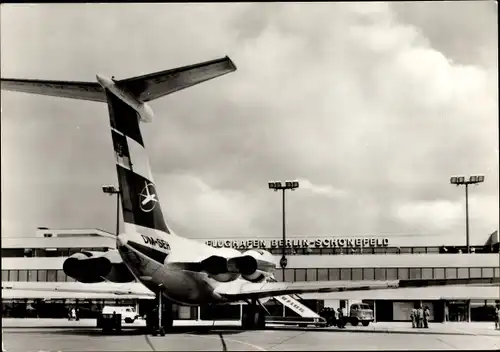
x: 161, y: 273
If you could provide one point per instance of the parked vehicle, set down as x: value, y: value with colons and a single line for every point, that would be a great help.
x: 111, y: 317
x: 128, y: 313
x: 360, y: 313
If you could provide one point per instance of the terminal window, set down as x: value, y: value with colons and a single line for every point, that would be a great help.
x: 300, y: 274
x: 415, y: 273
x: 32, y: 275
x: 439, y: 273
x: 357, y: 274
x: 463, y: 273
x: 312, y: 275
x: 475, y: 272
x: 403, y: 273
x: 345, y: 274
x: 487, y: 272
x: 322, y: 274
x: 368, y: 274
x: 379, y: 273
x: 392, y: 273
x: 289, y: 275
x: 451, y: 273
x: 23, y: 275
x: 334, y: 274
x: 427, y: 273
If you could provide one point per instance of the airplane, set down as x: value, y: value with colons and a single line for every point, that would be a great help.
x: 148, y: 251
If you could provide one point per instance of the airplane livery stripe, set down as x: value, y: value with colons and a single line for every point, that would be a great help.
x: 139, y: 157
x: 123, y: 118
x: 122, y: 152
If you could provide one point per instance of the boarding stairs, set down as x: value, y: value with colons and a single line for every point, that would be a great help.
x: 306, y: 315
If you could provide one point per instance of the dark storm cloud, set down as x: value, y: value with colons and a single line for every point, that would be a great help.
x: 360, y: 102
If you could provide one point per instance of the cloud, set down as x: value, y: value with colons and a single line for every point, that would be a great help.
x: 323, y: 190
x: 438, y: 215
x: 371, y: 107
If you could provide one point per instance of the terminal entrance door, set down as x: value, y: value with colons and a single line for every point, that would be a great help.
x: 458, y: 311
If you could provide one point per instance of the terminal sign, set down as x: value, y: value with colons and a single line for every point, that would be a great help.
x: 302, y: 243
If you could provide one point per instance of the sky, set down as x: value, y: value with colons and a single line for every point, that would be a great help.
x: 371, y: 106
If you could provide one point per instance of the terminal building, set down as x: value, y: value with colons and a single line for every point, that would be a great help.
x: 38, y: 261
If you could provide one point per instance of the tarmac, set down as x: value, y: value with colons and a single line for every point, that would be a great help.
x: 35, y: 335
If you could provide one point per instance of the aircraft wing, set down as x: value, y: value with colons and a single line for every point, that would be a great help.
x: 77, y: 290
x: 145, y: 88
x: 244, y: 291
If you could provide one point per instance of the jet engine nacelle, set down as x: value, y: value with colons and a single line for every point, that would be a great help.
x: 217, y: 268
x: 93, y: 267
x: 264, y: 265
x: 254, y: 265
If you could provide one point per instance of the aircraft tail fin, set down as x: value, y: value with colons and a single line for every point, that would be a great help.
x: 140, y: 203
x: 139, y: 198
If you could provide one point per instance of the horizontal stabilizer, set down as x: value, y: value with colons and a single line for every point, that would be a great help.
x: 159, y: 84
x: 144, y: 88
x: 75, y: 90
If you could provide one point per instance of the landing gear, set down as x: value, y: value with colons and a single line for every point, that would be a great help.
x: 159, y: 320
x: 254, y: 317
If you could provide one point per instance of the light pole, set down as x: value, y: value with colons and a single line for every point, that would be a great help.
x: 283, y: 186
x: 112, y: 190
x: 460, y: 180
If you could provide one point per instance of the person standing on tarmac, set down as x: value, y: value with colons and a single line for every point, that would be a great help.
x: 427, y: 313
x: 340, y: 318
x: 420, y: 315
x: 414, y: 318
x: 497, y: 317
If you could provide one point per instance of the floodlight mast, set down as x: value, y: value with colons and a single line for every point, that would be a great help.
x: 283, y: 186
x: 460, y: 180
x: 110, y: 189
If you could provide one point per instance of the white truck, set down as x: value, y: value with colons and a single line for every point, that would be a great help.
x: 128, y: 313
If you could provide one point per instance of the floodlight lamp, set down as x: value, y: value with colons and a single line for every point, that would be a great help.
x: 278, y: 185
x: 453, y: 180
x: 480, y: 178
x: 461, y: 179
x: 295, y: 184
x: 271, y: 185
x: 288, y: 184
x: 473, y: 179
x: 109, y: 189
